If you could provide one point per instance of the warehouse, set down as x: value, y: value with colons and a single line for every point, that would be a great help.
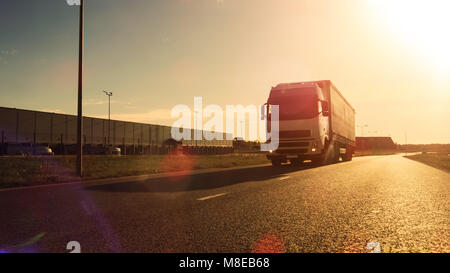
x: 58, y: 131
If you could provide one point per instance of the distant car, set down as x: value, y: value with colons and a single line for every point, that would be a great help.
x: 43, y: 150
x: 110, y: 150
x: 116, y: 151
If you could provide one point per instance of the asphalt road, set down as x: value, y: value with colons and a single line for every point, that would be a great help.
x: 400, y: 204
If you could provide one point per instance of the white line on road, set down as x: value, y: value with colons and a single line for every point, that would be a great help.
x: 285, y: 177
x: 211, y: 196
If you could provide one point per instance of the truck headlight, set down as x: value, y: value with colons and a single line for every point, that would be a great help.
x: 270, y: 151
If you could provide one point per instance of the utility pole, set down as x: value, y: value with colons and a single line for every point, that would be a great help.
x: 109, y: 94
x: 80, y: 96
x: 3, y: 150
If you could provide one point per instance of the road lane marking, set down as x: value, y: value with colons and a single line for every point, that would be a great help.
x: 285, y: 177
x: 211, y: 196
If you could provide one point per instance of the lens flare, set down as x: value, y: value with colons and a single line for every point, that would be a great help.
x: 269, y: 243
x: 26, y: 247
x: 421, y: 26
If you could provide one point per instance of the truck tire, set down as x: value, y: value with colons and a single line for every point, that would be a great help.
x: 329, y: 155
x: 276, y: 162
x: 322, y: 159
x: 337, y: 153
x: 348, y: 154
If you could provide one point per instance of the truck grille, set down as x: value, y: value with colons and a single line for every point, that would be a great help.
x: 293, y: 144
x: 294, y: 134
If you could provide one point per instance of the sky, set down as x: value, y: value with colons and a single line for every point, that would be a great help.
x: 389, y: 58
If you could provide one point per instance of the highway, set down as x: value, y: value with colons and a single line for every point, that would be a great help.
x: 399, y: 204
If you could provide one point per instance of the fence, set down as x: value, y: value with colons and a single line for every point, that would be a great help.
x: 58, y: 131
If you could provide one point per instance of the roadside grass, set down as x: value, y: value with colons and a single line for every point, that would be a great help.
x: 437, y: 160
x: 39, y: 170
x: 375, y: 152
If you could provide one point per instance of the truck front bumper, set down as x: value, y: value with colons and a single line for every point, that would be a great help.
x: 284, y: 156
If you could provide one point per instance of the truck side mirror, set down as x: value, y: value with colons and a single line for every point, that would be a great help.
x: 325, y: 108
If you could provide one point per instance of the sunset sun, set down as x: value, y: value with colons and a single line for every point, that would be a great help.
x: 422, y: 26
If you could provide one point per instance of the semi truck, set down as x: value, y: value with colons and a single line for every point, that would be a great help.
x: 316, y: 123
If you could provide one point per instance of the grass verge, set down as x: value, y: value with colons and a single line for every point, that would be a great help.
x: 36, y: 170
x: 440, y: 161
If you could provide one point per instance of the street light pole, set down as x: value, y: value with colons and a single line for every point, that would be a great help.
x: 80, y: 96
x: 109, y: 94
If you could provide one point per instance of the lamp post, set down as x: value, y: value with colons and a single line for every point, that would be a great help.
x: 79, y: 165
x: 109, y: 94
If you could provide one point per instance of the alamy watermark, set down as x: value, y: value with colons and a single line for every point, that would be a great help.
x: 74, y: 247
x: 220, y: 121
x: 73, y: 2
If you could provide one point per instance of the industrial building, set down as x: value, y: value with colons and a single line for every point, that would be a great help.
x: 375, y: 144
x: 58, y: 131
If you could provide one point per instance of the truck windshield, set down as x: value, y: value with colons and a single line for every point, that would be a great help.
x: 296, y: 105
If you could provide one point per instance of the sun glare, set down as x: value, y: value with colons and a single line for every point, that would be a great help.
x: 423, y: 26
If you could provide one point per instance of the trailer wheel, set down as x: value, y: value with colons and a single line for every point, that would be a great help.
x: 276, y: 162
x: 336, y: 153
x: 348, y: 154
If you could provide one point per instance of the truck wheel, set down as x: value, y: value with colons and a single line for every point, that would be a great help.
x: 329, y: 155
x: 348, y: 154
x: 337, y: 153
x: 276, y: 162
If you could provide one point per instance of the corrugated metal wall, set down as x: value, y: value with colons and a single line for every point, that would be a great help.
x: 24, y: 126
